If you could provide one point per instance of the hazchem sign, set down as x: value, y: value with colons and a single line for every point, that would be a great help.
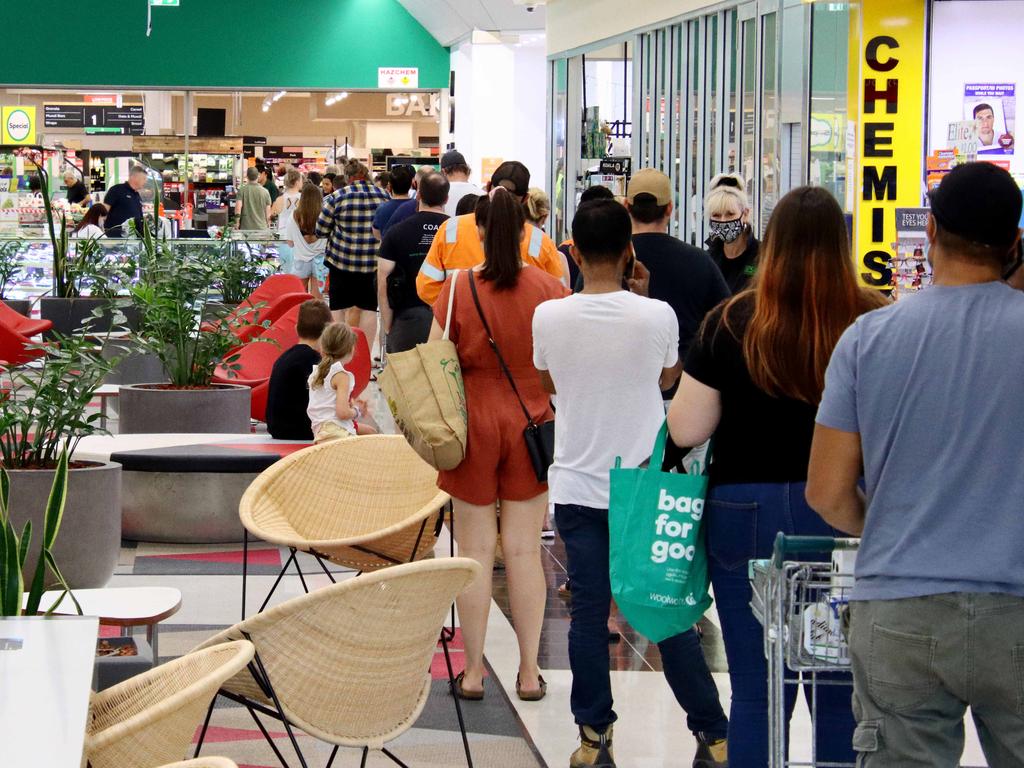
x: 18, y: 125
x: 398, y: 77
x: 891, y: 115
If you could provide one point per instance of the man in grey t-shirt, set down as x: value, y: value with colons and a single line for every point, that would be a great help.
x: 924, y: 397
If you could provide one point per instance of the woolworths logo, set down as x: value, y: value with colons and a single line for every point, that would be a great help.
x: 18, y: 125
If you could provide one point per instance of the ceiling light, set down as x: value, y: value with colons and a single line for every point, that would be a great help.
x: 279, y: 95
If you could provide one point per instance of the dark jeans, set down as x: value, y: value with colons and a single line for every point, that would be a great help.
x: 409, y: 328
x: 742, y: 522
x: 585, y: 533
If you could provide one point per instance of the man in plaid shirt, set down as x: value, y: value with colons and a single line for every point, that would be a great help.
x: 346, y: 221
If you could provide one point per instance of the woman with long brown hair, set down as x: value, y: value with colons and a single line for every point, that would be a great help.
x: 300, y: 232
x: 753, y: 379
x: 497, y: 467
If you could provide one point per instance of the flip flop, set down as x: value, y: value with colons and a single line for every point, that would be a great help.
x: 466, y: 695
x: 536, y: 695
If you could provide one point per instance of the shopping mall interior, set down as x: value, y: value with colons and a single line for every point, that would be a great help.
x: 268, y: 498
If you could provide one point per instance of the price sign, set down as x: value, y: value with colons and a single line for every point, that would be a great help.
x: 63, y: 116
x: 94, y: 117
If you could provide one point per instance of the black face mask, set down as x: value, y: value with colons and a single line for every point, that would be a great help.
x: 726, y: 231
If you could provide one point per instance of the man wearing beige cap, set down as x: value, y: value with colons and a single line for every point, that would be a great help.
x: 682, y: 275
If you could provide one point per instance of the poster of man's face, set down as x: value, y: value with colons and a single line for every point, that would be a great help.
x: 992, y: 106
x: 985, y: 115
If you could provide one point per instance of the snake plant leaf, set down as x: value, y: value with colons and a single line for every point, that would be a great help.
x: 5, y: 492
x: 63, y: 583
x: 26, y: 537
x: 35, y: 592
x: 13, y: 585
x: 55, y: 504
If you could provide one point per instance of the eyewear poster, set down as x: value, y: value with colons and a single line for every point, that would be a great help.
x: 993, y: 107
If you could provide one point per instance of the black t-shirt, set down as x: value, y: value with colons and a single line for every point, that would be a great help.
x: 760, y: 438
x: 684, y: 277
x: 77, y: 193
x: 737, y: 272
x: 407, y: 244
x: 288, y: 395
x: 124, y: 204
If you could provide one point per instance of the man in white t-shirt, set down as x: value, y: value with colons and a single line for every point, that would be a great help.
x: 456, y: 170
x: 608, y: 353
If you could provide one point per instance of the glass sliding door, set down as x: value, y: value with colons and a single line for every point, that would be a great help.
x: 770, y: 181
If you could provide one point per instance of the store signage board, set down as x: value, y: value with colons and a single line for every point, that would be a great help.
x: 398, y: 77
x: 18, y: 125
x: 132, y: 119
x: 110, y: 99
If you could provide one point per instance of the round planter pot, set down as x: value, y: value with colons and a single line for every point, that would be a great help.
x: 148, y: 408
x: 134, y: 366
x: 89, y: 539
x: 69, y: 315
x: 21, y: 306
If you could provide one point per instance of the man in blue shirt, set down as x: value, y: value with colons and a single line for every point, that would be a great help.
x: 399, y: 185
x: 124, y: 203
x: 923, y: 397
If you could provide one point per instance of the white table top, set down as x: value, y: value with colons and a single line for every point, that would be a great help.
x: 99, y: 447
x: 120, y: 606
x: 109, y: 390
x: 44, y: 689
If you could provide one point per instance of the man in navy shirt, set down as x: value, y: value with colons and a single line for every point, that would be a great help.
x: 124, y: 203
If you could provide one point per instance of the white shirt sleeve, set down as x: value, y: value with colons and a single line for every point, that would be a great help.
x: 539, y: 356
x: 671, y: 335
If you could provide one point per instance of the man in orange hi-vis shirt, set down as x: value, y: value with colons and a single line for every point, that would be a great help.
x: 457, y: 242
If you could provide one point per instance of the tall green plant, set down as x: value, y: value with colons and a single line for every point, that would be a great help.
x: 14, y: 549
x: 44, y: 408
x: 243, y: 269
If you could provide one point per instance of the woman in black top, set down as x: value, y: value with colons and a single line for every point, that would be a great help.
x: 732, y: 244
x: 754, y: 378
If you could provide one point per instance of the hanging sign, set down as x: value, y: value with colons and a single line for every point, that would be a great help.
x: 18, y: 125
x: 398, y: 77
x: 889, y: 166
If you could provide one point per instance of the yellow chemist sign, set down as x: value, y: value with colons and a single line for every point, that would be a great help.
x: 18, y: 125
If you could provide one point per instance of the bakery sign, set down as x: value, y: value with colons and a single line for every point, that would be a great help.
x: 398, y: 77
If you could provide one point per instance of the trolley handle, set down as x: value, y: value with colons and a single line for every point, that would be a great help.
x: 791, y: 545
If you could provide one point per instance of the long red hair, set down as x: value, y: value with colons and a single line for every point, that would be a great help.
x: 805, y: 294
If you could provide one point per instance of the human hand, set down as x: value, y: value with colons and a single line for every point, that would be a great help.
x: 640, y: 281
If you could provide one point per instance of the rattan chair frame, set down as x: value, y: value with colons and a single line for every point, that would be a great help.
x: 343, y: 641
x: 337, y: 492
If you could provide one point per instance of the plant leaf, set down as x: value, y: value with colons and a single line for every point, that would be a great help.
x: 55, y: 504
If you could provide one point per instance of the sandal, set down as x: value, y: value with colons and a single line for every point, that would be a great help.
x: 536, y: 695
x: 463, y: 694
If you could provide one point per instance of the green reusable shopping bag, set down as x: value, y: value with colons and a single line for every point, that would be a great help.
x: 658, y: 562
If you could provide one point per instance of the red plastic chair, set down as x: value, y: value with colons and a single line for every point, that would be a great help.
x: 250, y: 326
x: 270, y: 290
x: 15, y: 348
x: 26, y: 326
x: 257, y: 358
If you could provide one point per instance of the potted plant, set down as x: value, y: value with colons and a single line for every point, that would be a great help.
x: 45, y: 414
x: 10, y: 270
x: 15, y: 549
x: 170, y: 296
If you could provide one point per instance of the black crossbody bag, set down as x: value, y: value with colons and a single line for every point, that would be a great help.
x: 540, y: 438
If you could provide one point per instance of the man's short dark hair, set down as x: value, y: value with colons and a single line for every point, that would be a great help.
x: 467, y: 204
x: 314, y: 316
x: 433, y: 190
x: 401, y: 179
x: 981, y: 107
x: 646, y: 210
x: 456, y: 168
x: 263, y: 168
x: 601, y: 231
x: 314, y: 177
x: 596, y: 192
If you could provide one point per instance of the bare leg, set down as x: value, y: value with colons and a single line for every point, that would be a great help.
x: 476, y: 530
x: 368, y: 325
x: 521, y: 522
x: 339, y: 315
x: 352, y: 318
x: 313, y: 287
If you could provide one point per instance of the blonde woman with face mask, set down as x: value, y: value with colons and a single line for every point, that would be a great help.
x: 731, y: 242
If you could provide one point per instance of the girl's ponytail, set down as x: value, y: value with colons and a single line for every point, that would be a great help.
x: 501, y: 216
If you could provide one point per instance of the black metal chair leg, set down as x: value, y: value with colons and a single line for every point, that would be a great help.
x: 295, y: 556
x: 334, y: 754
x: 206, y: 724
x: 325, y: 569
x: 277, y: 581
x: 394, y: 759
x: 245, y: 565
x: 267, y: 736
x: 366, y: 753
x: 458, y: 705
x: 280, y: 710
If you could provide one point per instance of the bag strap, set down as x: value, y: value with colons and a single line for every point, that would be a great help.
x: 497, y: 352
x: 451, y: 305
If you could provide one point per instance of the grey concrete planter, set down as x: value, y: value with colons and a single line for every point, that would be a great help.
x: 68, y: 315
x: 134, y: 366
x: 89, y: 539
x: 184, y: 507
x: 146, y: 408
x: 21, y: 306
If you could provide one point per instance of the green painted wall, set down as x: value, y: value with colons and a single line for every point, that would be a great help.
x: 331, y: 44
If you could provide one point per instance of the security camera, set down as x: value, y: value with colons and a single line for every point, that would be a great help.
x: 531, y: 8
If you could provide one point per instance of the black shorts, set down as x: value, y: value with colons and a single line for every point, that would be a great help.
x: 352, y: 289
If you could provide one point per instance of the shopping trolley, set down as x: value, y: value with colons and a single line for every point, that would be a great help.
x: 803, y: 606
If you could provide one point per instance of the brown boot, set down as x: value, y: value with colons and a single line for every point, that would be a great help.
x: 595, y: 749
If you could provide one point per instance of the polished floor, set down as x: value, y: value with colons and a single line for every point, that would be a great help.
x: 651, y: 731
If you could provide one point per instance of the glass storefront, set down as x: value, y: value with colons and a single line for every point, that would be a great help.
x: 726, y: 91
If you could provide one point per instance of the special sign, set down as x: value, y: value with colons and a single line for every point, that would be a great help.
x: 891, y: 126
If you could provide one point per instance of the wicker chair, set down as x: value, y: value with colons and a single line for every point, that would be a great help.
x: 204, y: 762
x: 349, y: 663
x: 365, y: 503
x: 150, y: 719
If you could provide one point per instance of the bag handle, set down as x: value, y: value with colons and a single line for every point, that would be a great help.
x: 497, y: 352
x: 451, y: 305
x: 658, y: 453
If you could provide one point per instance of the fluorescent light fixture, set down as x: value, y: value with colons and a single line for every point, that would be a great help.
x: 279, y: 95
x: 332, y: 100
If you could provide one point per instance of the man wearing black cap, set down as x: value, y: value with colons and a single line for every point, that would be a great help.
x: 922, y: 398
x: 456, y: 170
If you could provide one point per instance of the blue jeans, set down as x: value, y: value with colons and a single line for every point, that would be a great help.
x: 742, y: 521
x: 585, y: 533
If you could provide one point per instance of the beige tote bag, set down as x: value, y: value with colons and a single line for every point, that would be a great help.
x: 425, y: 393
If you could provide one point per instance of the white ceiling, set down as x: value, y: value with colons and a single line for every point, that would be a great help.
x: 450, y: 20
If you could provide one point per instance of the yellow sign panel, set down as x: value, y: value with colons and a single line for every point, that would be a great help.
x: 18, y: 125
x: 890, y: 88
